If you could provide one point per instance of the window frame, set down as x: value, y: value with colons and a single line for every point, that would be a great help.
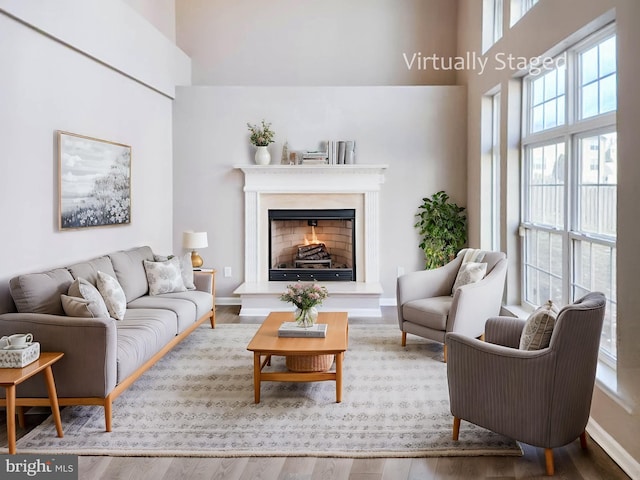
x: 574, y: 130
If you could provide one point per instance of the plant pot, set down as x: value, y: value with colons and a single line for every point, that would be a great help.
x: 262, y: 157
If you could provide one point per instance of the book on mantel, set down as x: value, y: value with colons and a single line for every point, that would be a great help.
x: 291, y: 329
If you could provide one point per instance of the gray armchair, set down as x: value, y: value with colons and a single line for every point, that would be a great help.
x: 427, y: 309
x: 539, y: 397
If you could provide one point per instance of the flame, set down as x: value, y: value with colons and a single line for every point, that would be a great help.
x: 314, y: 237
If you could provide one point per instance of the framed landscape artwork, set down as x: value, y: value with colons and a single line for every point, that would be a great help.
x: 94, y: 182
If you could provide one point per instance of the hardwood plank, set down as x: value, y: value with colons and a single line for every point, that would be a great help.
x: 423, y: 469
x: 333, y: 468
x: 229, y: 469
x: 187, y: 467
x: 262, y: 468
x: 297, y: 468
x: 93, y: 467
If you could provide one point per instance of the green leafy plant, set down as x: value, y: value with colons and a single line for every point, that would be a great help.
x: 261, y: 136
x: 442, y: 226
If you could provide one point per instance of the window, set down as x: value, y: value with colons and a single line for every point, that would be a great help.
x: 570, y: 180
x: 495, y: 172
x: 491, y: 22
x: 519, y: 8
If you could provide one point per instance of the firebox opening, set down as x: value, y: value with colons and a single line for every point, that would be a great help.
x: 312, y: 245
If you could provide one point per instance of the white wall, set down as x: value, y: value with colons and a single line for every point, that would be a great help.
x: 315, y: 42
x: 47, y: 86
x: 556, y: 25
x: 415, y: 130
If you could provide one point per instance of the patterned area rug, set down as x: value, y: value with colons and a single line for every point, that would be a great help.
x: 198, y: 401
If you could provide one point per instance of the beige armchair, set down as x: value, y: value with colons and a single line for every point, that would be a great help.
x: 539, y: 397
x: 427, y: 309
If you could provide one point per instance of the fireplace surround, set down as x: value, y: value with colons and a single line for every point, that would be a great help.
x: 304, y: 187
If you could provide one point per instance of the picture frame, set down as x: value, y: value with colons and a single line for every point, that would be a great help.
x: 94, y: 182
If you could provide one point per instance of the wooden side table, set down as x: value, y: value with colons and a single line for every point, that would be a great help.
x: 11, y: 377
x: 212, y: 272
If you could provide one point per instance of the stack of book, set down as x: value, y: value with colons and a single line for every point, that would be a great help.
x: 315, y: 158
x: 291, y: 329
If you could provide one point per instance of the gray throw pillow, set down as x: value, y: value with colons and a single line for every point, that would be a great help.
x: 83, y: 289
x: 113, y: 295
x: 164, y: 277
x: 538, y: 328
x: 79, y: 307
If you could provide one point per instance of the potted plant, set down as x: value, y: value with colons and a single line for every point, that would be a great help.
x: 261, y: 137
x: 443, y: 228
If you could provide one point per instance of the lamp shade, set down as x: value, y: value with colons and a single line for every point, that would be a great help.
x: 194, y: 240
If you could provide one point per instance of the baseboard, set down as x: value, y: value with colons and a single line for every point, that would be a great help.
x: 228, y: 301
x: 612, y: 448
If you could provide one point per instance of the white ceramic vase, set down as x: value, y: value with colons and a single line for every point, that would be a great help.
x: 263, y: 157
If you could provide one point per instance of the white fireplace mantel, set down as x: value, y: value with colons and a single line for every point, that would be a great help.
x: 349, y: 185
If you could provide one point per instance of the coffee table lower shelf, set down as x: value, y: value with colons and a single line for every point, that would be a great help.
x: 266, y: 344
x: 259, y: 376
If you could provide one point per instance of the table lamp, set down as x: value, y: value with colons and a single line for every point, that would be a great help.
x: 192, y: 241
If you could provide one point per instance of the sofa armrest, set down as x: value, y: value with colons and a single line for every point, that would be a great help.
x: 504, y: 331
x: 89, y: 365
x: 204, y: 281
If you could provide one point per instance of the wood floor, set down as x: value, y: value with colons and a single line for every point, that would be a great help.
x: 571, y: 461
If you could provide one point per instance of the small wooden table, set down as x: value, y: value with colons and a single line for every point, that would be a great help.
x: 10, y: 377
x: 266, y: 343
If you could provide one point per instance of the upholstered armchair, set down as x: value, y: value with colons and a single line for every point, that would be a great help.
x: 539, y: 397
x: 426, y: 307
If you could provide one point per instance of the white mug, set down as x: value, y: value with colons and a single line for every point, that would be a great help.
x: 20, y: 339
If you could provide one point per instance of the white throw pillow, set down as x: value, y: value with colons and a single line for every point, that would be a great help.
x: 83, y: 289
x: 538, y: 328
x: 186, y: 268
x: 164, y: 277
x: 470, y: 272
x: 113, y: 295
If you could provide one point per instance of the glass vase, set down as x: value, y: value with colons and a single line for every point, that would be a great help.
x: 306, y: 317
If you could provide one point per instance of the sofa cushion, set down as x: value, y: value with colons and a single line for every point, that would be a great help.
x: 81, y: 288
x: 113, y: 295
x: 203, y: 301
x: 428, y: 312
x: 184, y: 310
x: 40, y: 292
x: 141, y: 335
x: 89, y: 270
x: 164, y: 277
x: 538, y: 328
x: 130, y: 272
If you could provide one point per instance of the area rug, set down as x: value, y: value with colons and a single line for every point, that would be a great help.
x: 198, y: 401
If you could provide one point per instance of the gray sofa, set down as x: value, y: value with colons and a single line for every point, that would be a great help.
x: 103, y: 356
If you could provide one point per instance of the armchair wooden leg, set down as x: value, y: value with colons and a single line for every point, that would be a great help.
x: 583, y: 440
x: 456, y: 428
x: 548, y: 459
x: 404, y: 339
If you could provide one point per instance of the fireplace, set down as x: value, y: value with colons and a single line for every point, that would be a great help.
x: 312, y: 187
x: 316, y: 244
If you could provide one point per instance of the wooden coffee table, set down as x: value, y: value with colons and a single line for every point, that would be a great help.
x: 266, y: 344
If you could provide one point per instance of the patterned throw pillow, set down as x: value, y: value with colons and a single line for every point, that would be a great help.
x: 537, y: 331
x: 83, y: 289
x: 186, y: 268
x: 470, y: 272
x: 164, y: 277
x: 113, y: 295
